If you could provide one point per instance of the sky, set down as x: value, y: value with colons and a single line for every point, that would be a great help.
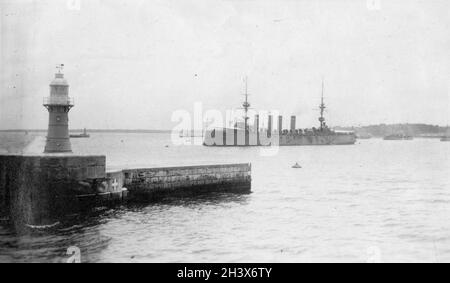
x: 132, y: 63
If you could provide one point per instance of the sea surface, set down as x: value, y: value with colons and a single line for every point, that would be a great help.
x: 375, y: 201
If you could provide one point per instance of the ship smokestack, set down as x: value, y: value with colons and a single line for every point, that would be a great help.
x: 280, y: 124
x: 257, y: 128
x: 269, y: 126
x: 293, y: 123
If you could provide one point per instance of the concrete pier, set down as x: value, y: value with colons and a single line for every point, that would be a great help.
x: 37, y: 189
x: 154, y: 183
x: 40, y: 190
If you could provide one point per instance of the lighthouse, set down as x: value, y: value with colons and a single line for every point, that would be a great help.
x: 58, y: 105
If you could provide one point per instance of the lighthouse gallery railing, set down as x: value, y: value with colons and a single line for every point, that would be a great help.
x: 51, y: 100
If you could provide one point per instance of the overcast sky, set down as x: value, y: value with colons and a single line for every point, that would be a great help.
x: 131, y: 63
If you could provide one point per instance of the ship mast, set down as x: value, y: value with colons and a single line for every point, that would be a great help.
x: 246, y: 104
x: 322, y: 109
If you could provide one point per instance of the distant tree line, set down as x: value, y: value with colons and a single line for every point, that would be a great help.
x: 382, y: 130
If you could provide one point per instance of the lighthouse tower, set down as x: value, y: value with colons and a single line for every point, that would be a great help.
x: 58, y: 105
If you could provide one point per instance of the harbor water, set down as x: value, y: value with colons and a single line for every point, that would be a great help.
x: 376, y: 201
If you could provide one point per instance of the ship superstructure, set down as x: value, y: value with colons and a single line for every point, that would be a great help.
x: 254, y: 136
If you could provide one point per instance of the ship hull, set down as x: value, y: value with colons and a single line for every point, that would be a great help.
x: 79, y: 136
x: 398, y: 139
x: 236, y: 139
x: 330, y: 139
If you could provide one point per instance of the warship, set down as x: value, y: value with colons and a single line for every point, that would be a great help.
x: 243, y: 134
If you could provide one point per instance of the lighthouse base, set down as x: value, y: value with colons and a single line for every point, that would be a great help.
x: 55, y: 145
x: 38, y: 189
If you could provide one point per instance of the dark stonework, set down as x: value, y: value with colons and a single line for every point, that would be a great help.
x: 42, y: 189
x: 155, y: 183
x: 38, y: 190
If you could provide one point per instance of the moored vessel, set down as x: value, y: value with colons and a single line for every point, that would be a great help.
x: 84, y: 134
x: 363, y: 136
x: 397, y: 137
x: 242, y: 134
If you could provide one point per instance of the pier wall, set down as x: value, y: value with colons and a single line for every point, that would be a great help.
x: 189, y: 180
x: 35, y: 190
x: 40, y: 190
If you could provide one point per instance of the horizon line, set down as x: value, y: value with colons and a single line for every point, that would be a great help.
x: 168, y: 130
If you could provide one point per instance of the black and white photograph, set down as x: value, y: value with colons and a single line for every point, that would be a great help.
x: 248, y: 132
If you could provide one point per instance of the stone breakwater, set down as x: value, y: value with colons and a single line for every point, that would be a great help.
x: 190, y: 180
x: 41, y: 189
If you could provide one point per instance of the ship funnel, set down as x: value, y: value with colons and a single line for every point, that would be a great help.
x: 257, y: 129
x: 293, y: 123
x: 269, y: 126
x: 280, y: 124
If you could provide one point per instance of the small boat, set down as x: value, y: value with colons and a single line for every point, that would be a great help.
x: 445, y: 139
x: 190, y: 134
x: 363, y: 136
x: 296, y: 166
x: 82, y: 135
x: 397, y: 137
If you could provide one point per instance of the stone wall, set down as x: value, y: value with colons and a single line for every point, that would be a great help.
x: 155, y: 182
x: 42, y: 189
x: 36, y: 190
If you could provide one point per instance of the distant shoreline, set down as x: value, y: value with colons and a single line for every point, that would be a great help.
x: 379, y: 130
x: 90, y: 131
